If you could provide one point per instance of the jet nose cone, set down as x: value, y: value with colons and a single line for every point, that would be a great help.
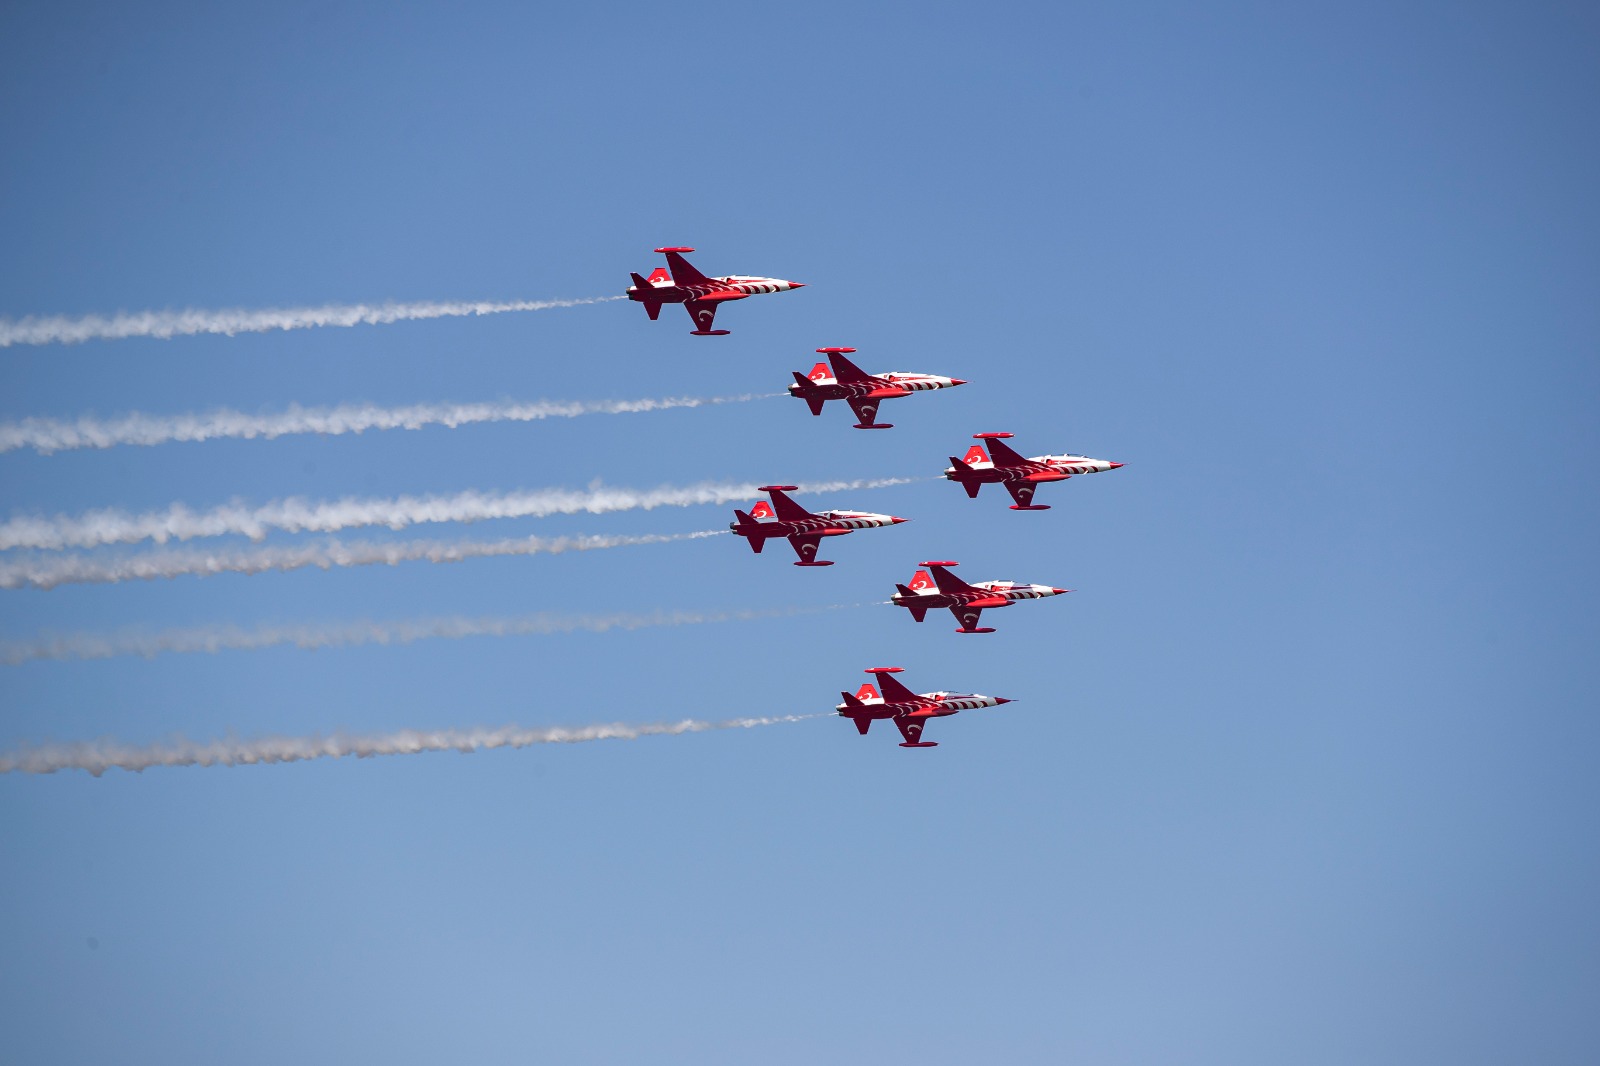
x: 797, y: 285
x: 958, y: 381
x: 998, y: 700
x: 896, y: 521
x: 1058, y: 592
x: 1116, y: 466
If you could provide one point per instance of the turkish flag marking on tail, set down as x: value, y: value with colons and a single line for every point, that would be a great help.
x: 867, y: 693
x: 922, y: 580
x: 975, y: 454
x: 762, y: 510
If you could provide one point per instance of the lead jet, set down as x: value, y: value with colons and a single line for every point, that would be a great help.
x: 785, y: 518
x: 966, y: 602
x: 908, y: 710
x: 700, y: 295
x: 840, y: 379
x: 1020, y: 476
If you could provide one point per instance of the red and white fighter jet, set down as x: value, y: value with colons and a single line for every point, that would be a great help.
x: 785, y: 518
x: 700, y: 295
x: 840, y: 379
x: 1020, y: 476
x: 966, y: 602
x: 908, y: 710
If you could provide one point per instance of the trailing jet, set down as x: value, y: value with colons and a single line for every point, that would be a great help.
x: 699, y: 294
x: 1020, y: 476
x: 966, y: 602
x: 785, y: 518
x: 908, y: 710
x: 840, y: 379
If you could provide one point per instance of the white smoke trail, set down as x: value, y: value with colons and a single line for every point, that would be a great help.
x: 60, y: 329
x: 47, y: 572
x: 47, y: 435
x: 298, y: 515
x: 215, y: 638
x: 101, y: 755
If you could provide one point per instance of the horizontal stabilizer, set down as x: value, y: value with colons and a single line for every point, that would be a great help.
x: 918, y: 612
x: 972, y: 485
x: 652, y: 307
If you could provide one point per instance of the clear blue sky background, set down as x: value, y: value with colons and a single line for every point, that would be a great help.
x: 1304, y: 771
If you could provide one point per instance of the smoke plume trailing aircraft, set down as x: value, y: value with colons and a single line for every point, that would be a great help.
x: 785, y: 518
x: 966, y: 602
x: 700, y: 295
x: 840, y: 379
x: 1020, y: 476
x: 908, y: 710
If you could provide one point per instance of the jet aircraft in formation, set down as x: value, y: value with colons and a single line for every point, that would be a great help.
x: 785, y: 518
x: 1020, y: 476
x: 840, y: 379
x: 933, y: 588
x: 966, y: 602
x: 700, y: 295
x: 908, y: 710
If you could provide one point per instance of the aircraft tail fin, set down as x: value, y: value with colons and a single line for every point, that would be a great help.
x: 805, y: 386
x: 745, y: 529
x: 961, y: 467
x: 917, y: 613
x: 857, y: 712
x: 651, y: 307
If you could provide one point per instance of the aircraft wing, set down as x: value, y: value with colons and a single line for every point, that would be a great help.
x: 702, y: 313
x: 805, y: 545
x: 910, y: 728
x: 866, y: 409
x: 703, y: 308
x: 1021, y: 491
x: 969, y: 613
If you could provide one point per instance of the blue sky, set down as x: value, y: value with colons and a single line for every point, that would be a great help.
x: 1302, y: 772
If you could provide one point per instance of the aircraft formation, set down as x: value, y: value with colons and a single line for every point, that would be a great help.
x: 932, y: 588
